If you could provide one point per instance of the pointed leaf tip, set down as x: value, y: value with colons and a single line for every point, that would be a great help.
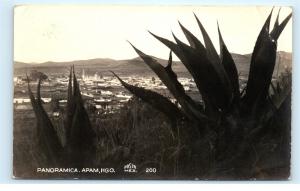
x: 221, y: 42
x: 129, y: 42
x: 175, y: 38
x: 180, y: 24
x: 193, y: 41
x: 211, y: 51
x: 279, y: 28
x: 170, y: 60
x: 267, y: 23
x: 277, y: 19
x: 122, y: 82
x: 113, y: 73
x: 154, y: 35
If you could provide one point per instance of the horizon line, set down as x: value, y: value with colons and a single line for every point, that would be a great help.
x: 38, y: 63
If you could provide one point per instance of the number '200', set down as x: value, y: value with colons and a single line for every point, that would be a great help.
x: 150, y: 170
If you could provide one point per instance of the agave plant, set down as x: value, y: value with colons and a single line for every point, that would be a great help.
x: 80, y: 136
x: 235, y: 122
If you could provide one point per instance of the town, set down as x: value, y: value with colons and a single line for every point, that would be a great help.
x: 102, y: 94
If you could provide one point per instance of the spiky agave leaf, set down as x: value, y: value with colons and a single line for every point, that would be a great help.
x: 256, y: 78
x: 230, y: 68
x: 262, y: 63
x: 278, y: 28
x: 211, y: 85
x: 214, y: 57
x: 81, y: 111
x: 48, y: 141
x: 33, y: 104
x: 169, y: 78
x: 174, y: 48
x: 195, y: 43
x: 70, y: 104
x: 276, y: 24
x: 38, y: 96
x: 211, y: 79
x: 156, y: 100
x: 82, y: 136
x: 180, y: 54
x: 211, y: 51
x: 191, y: 68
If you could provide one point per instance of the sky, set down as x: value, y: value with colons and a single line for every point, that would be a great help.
x: 77, y: 32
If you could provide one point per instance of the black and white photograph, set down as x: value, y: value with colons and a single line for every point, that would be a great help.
x: 149, y: 92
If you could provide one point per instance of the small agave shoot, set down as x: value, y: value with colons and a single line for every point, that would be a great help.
x: 76, y: 143
x: 227, y: 134
x: 80, y: 148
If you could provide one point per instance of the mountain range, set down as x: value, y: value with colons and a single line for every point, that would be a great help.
x: 137, y: 66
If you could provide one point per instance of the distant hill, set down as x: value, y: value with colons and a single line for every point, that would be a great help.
x: 21, y: 65
x: 136, y: 65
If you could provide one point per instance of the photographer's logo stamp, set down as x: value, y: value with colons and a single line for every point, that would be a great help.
x: 130, y: 167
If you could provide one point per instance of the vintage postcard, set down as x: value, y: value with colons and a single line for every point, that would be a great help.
x: 152, y: 92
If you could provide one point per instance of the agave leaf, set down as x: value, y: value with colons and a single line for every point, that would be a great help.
x: 48, y: 140
x: 174, y: 48
x: 70, y: 89
x: 211, y: 51
x: 193, y: 41
x: 260, y: 75
x: 278, y: 101
x: 169, y: 78
x: 31, y: 96
x: 214, y: 57
x: 82, y: 116
x: 39, y: 91
x: 82, y: 135
x: 70, y: 104
x: 212, y: 86
x: 82, y: 138
x: 34, y: 104
x: 199, y: 47
x: 279, y: 28
x: 262, y: 63
x: 187, y: 103
x: 276, y: 24
x: 170, y: 61
x: 156, y: 100
x: 179, y: 53
x: 230, y: 67
x: 195, y: 66
x: 264, y: 33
